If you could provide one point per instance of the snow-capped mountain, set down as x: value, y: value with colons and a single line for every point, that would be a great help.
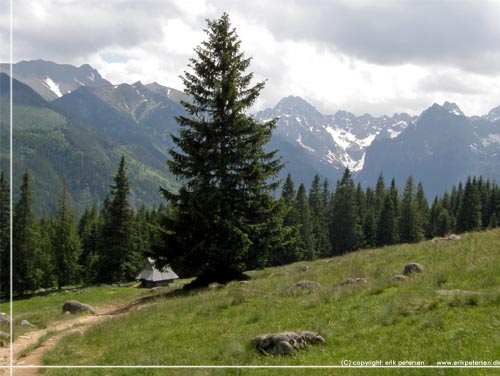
x: 334, y: 141
x: 442, y: 148
x: 52, y: 80
x: 493, y: 115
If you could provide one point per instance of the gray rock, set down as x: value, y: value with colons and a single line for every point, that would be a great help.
x: 283, y: 348
x: 449, y: 238
x: 413, y: 268
x: 4, y: 319
x: 308, y: 285
x: 285, y: 343
x: 27, y: 324
x: 72, y: 306
x: 4, y: 335
x: 215, y: 286
x: 304, y: 268
x: 352, y: 281
x: 400, y: 278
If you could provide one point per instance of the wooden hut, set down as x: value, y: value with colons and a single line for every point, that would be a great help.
x: 150, y: 276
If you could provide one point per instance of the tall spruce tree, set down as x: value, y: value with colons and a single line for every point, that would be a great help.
x: 27, y: 268
x: 89, y: 230
x: 291, y: 250
x: 423, y: 210
x: 224, y: 218
x: 410, y: 221
x: 469, y: 215
x: 318, y: 216
x: 387, y: 231
x: 307, y: 244
x: 345, y: 229
x: 66, y: 245
x: 116, y: 240
x: 4, y: 235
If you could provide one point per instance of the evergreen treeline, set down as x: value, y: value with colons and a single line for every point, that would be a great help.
x: 325, y: 223
x: 104, y: 246
x: 110, y: 244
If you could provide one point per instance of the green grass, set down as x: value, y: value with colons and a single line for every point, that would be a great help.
x: 42, y: 310
x: 379, y: 320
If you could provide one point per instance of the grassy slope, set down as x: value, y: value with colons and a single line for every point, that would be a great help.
x: 378, y: 320
x: 42, y: 310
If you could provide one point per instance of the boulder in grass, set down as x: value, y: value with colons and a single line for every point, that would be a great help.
x: 72, y: 306
x: 413, y: 268
x: 215, y: 286
x: 4, y: 319
x: 353, y: 281
x: 285, y: 343
x: 26, y: 323
x: 311, y: 285
x: 400, y: 278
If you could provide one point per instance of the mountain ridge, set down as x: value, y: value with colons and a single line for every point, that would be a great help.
x: 439, y: 147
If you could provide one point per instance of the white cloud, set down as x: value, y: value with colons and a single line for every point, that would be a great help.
x: 363, y: 56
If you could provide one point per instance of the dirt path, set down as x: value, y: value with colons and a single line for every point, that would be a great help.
x: 59, y: 329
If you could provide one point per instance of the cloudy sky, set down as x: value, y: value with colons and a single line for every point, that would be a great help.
x: 364, y: 56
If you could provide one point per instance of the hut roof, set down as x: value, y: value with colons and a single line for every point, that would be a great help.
x: 151, y: 273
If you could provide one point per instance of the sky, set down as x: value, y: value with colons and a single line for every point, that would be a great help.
x: 364, y: 56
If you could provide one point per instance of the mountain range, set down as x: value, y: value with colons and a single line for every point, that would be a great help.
x: 71, y: 124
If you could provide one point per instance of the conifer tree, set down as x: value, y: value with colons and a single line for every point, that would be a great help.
x: 288, y: 195
x: 4, y: 235
x: 436, y: 209
x: 469, y: 216
x: 47, y: 259
x: 345, y: 231
x: 387, y: 231
x: 116, y: 240
x: 66, y: 245
x: 306, y: 226
x: 290, y: 250
x: 326, y: 194
x: 380, y: 193
x: 370, y: 219
x: 224, y: 217
x: 423, y: 210
x: 89, y: 230
x: 27, y: 267
x: 318, y: 215
x: 409, y: 223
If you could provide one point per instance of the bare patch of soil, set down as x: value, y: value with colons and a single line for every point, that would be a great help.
x: 58, y: 329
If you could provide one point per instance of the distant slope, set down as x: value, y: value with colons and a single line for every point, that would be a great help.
x: 52, y: 80
x: 55, y: 147
x: 442, y: 148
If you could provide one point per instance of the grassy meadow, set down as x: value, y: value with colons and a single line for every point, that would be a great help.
x: 378, y: 320
x: 44, y: 309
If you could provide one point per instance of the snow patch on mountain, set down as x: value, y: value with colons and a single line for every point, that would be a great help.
x: 491, y: 139
x: 452, y: 108
x: 52, y: 86
x: 308, y: 148
x: 340, y: 137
